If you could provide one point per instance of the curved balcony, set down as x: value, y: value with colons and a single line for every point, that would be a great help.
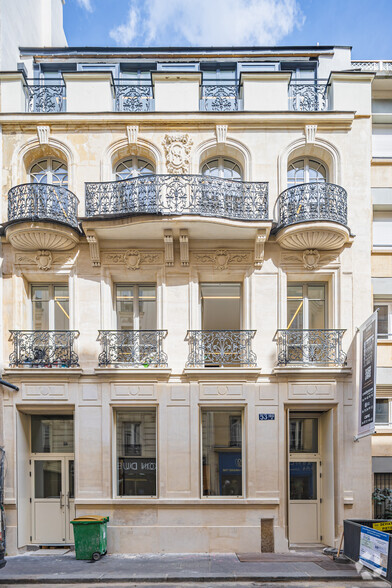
x: 53, y: 211
x: 313, y: 216
x: 178, y: 194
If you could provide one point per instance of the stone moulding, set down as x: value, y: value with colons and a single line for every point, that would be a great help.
x: 132, y: 259
x: 316, y: 235
x: 31, y: 236
x: 222, y: 259
x: 177, y: 152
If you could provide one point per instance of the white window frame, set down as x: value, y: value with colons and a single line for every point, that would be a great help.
x: 134, y: 168
x: 51, y: 302
x: 136, y: 317
x: 221, y: 167
x: 305, y: 298
x: 49, y: 171
x: 389, y: 423
x: 306, y: 161
x: 385, y: 302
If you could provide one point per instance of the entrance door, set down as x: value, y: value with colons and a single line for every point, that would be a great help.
x: 304, y: 479
x: 52, y: 499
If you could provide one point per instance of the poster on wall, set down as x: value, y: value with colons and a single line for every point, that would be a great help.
x: 367, y: 383
x: 373, y: 552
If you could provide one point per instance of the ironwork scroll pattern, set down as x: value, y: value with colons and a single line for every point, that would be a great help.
x: 133, y: 348
x: 176, y: 194
x: 44, y: 349
x: 42, y: 202
x: 220, y: 98
x: 45, y: 98
x: 310, y: 347
x: 221, y: 348
x: 132, y: 98
x: 312, y: 201
x: 308, y: 97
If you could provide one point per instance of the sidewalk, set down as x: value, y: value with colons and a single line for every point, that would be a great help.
x: 36, y: 567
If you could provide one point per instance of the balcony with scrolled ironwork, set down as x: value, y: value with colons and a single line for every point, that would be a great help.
x: 310, y: 347
x: 42, y: 216
x: 178, y: 194
x: 308, y: 96
x: 133, y: 349
x: 312, y: 216
x: 220, y: 97
x: 131, y: 97
x: 44, y: 349
x: 46, y: 98
x: 221, y: 349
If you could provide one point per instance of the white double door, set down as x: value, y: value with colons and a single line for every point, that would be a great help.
x: 53, y: 504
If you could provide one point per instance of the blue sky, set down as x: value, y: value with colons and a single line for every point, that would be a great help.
x: 364, y: 24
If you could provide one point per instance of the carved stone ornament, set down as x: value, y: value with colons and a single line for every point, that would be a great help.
x: 221, y: 133
x: 132, y: 259
x: 43, y: 134
x: 310, y: 133
x: 43, y: 259
x: 222, y: 258
x: 310, y: 259
x: 132, y: 133
x: 177, y: 150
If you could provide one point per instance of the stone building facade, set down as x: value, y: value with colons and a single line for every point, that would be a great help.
x: 186, y: 258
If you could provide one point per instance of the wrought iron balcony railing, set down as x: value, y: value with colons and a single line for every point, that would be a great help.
x: 46, y: 98
x: 315, y: 201
x: 224, y: 348
x: 132, y: 348
x: 44, y: 349
x: 178, y: 194
x: 130, y: 97
x: 310, y: 347
x: 308, y: 96
x: 219, y: 98
x: 42, y: 202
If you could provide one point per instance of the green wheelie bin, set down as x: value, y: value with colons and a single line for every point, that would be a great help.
x: 90, y: 533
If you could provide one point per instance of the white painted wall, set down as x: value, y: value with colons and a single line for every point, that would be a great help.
x: 29, y: 23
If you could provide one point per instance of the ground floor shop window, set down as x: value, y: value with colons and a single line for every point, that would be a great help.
x: 222, y: 452
x: 136, y: 452
x: 382, y: 496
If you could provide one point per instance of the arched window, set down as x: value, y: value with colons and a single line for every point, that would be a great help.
x: 49, y: 171
x: 222, y: 168
x: 305, y: 170
x: 132, y: 167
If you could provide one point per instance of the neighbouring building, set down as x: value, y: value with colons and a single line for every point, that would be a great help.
x: 186, y: 258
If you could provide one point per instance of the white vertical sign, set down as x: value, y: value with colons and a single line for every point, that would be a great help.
x: 367, y: 383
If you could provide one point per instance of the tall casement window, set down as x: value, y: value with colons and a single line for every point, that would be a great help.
x: 50, y: 307
x: 220, y: 167
x: 132, y: 167
x: 305, y: 170
x: 306, y: 306
x: 136, y: 307
x: 49, y: 171
x: 384, y: 328
x: 222, y: 440
x: 136, y: 452
x: 221, y: 306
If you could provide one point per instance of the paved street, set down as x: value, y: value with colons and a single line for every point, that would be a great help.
x: 355, y: 584
x: 301, y: 569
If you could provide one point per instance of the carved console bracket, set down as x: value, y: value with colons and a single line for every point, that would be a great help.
x: 132, y: 133
x: 260, y: 240
x: 310, y: 133
x: 43, y: 134
x: 221, y: 133
x: 93, y: 242
x: 184, y: 247
x: 169, y: 249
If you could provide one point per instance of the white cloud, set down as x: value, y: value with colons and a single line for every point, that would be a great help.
x: 208, y: 22
x: 86, y: 4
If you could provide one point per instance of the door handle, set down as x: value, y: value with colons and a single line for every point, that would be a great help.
x: 61, y: 500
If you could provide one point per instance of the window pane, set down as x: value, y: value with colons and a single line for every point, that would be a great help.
x: 40, y: 301
x: 295, y: 307
x: 316, y: 292
x: 52, y: 434
x: 47, y: 479
x: 316, y: 314
x: 303, y: 480
x: 136, y: 452
x: 221, y: 306
x: 222, y: 452
x: 296, y: 173
x: 382, y: 411
x: 317, y: 172
x: 61, y: 308
x: 124, y: 307
x: 382, y: 318
x: 303, y: 435
x: 147, y: 308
